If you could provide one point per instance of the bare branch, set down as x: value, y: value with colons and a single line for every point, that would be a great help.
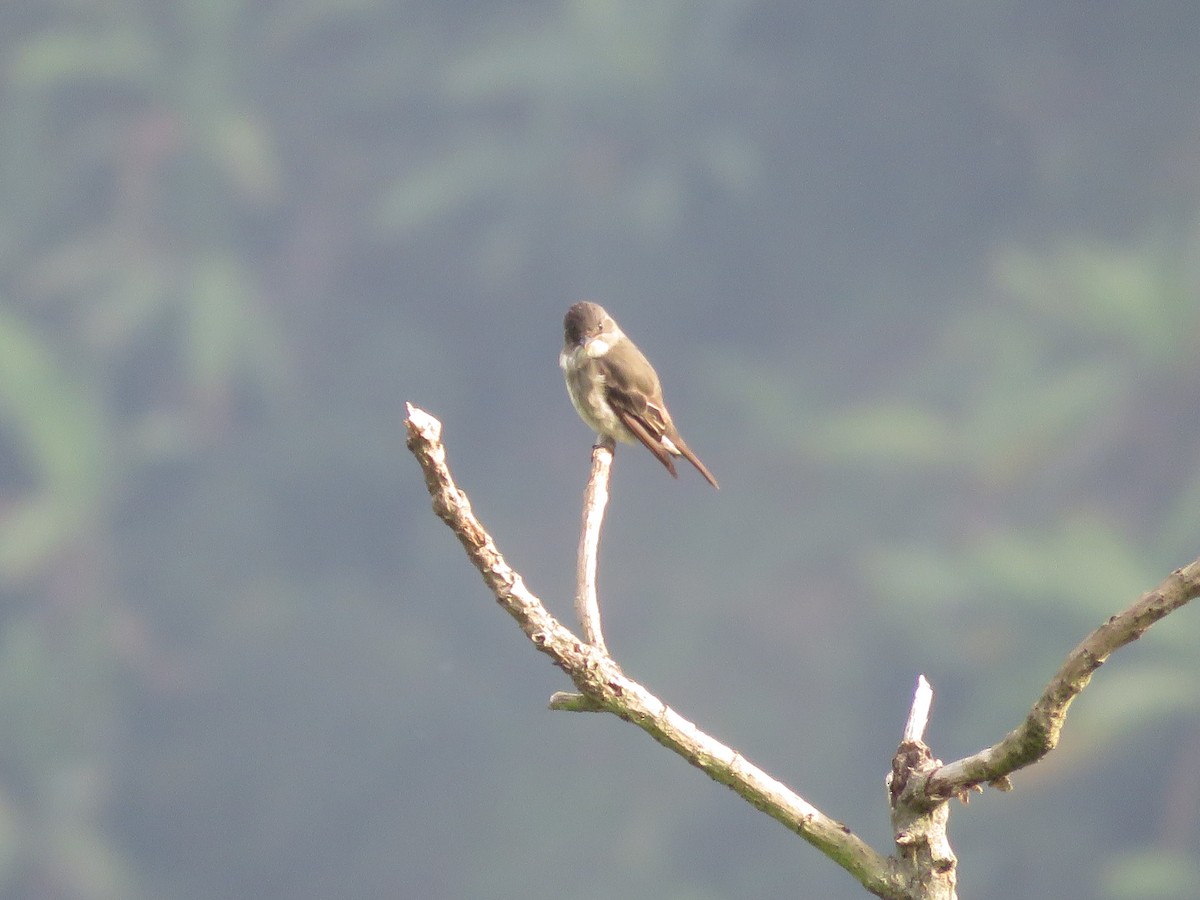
x: 595, y: 501
x: 605, y: 686
x: 1039, y: 733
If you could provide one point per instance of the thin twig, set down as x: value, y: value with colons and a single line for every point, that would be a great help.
x: 595, y: 502
x: 918, y: 715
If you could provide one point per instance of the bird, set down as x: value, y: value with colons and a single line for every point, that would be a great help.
x: 615, y: 390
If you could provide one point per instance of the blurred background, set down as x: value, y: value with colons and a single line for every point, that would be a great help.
x: 921, y: 281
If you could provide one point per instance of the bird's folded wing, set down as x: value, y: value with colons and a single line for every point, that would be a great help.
x: 637, y: 425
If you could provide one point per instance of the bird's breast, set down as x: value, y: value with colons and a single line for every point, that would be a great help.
x: 586, y: 387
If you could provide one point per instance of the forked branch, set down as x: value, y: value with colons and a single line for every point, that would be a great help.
x: 601, y: 681
x: 923, y: 866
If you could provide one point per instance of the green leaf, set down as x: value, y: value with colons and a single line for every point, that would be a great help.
x: 60, y: 428
x: 58, y: 57
x: 228, y: 335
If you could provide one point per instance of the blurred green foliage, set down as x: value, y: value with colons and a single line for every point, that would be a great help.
x: 935, y: 270
x: 1149, y: 875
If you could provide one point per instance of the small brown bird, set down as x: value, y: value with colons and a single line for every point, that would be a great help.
x: 615, y: 390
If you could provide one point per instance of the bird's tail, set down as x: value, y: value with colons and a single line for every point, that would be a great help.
x: 691, y: 457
